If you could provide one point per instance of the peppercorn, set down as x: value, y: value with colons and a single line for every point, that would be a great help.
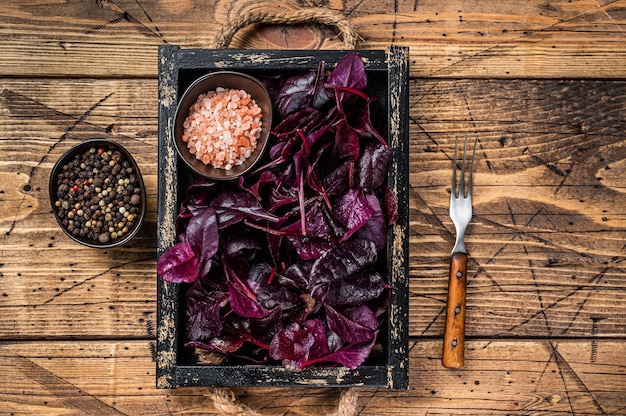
x: 135, y: 199
x: 92, y: 195
x: 104, y: 237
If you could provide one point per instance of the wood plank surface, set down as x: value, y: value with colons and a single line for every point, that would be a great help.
x: 548, y: 200
x: 543, y: 83
x: 487, y: 39
x: 500, y: 377
x: 548, y: 229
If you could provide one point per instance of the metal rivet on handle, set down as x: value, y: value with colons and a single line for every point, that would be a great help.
x: 454, y: 343
x: 459, y: 274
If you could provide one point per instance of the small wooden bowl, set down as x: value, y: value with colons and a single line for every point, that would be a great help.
x: 209, y: 82
x: 54, y: 185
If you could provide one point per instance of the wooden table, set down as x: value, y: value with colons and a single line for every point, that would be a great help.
x: 541, y: 82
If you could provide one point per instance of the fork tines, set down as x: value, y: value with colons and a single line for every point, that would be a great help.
x: 461, y: 193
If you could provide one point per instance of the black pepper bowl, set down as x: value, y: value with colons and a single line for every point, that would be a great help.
x: 91, y: 209
x: 209, y: 82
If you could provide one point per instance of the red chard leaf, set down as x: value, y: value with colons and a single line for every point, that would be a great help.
x: 203, y: 237
x: 353, y: 210
x: 347, y: 145
x: 362, y: 124
x: 355, y: 289
x: 179, y: 264
x: 292, y: 343
x: 342, y: 261
x: 296, y: 93
x: 358, y: 324
x: 242, y: 299
x: 390, y: 204
x: 320, y: 345
x: 372, y: 167
x: 375, y: 228
x: 350, y: 355
x: 203, y: 320
x: 349, y: 72
x: 227, y: 343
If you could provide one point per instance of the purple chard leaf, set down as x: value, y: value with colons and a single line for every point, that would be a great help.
x: 292, y: 343
x: 179, y: 264
x: 353, y: 210
x: 372, y: 167
x: 362, y: 124
x: 349, y: 72
x: 243, y: 301
x: 202, y: 313
x: 350, y: 355
x: 227, y: 343
x: 296, y: 93
x: 355, y: 289
x: 390, y: 204
x: 235, y: 205
x: 202, y: 235
x: 298, y: 343
x: 321, y: 232
x: 358, y: 324
x: 375, y: 228
x: 342, y: 261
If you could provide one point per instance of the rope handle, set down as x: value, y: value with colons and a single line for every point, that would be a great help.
x: 307, y: 15
x: 224, y: 402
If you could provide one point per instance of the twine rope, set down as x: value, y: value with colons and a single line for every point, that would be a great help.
x: 307, y: 15
x: 224, y: 401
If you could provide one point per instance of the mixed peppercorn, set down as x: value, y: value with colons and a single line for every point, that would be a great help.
x: 98, y: 195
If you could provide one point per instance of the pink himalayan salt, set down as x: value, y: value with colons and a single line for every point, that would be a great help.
x: 223, y: 127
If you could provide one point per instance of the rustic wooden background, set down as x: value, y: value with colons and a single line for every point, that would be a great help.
x: 542, y: 82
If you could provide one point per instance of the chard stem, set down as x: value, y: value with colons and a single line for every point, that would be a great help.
x: 353, y: 91
x: 269, y: 230
x: 301, y: 200
x: 272, y: 274
x: 305, y: 143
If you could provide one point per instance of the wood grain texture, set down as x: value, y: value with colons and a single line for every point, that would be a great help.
x: 509, y: 39
x: 500, y: 377
x: 546, y: 242
x: 52, y: 287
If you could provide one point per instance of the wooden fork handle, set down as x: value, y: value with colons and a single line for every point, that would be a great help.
x: 454, y: 335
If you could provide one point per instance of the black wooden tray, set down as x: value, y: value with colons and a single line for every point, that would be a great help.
x: 387, y: 72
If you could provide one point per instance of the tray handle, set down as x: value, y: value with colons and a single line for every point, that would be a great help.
x: 309, y: 15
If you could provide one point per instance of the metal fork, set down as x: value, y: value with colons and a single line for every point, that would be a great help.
x: 461, y: 215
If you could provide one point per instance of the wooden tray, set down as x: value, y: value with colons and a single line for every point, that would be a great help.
x: 387, y: 78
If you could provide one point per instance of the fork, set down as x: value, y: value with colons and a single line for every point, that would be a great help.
x: 461, y: 214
